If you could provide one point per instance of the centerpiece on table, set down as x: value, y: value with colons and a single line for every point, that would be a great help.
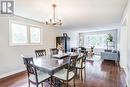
x: 60, y: 48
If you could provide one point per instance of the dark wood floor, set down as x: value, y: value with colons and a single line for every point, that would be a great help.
x: 98, y: 74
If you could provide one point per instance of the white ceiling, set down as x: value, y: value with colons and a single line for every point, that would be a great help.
x: 74, y: 13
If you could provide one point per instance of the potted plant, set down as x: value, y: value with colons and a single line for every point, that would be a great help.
x: 109, y: 38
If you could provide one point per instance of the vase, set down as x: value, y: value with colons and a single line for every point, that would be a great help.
x: 60, y: 52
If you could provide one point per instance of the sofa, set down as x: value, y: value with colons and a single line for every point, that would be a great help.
x: 110, y: 55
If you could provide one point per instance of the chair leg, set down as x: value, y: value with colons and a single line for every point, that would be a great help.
x: 74, y: 81
x: 36, y: 84
x: 67, y: 83
x: 81, y: 75
x: 63, y: 85
x: 76, y: 72
x: 42, y: 84
x: 51, y: 81
x: 84, y: 74
x: 28, y: 83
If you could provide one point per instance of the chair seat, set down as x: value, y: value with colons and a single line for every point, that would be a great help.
x: 78, y: 65
x: 41, y: 76
x: 62, y: 74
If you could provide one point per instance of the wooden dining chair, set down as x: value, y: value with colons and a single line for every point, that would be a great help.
x: 80, y: 65
x: 35, y: 76
x: 68, y: 74
x: 53, y: 51
x: 40, y: 53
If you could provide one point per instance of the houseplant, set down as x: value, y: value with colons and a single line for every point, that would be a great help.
x: 109, y: 38
x: 110, y: 42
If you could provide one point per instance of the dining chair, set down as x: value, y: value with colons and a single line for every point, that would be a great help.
x: 80, y: 64
x: 40, y: 52
x: 35, y: 76
x: 68, y: 74
x: 82, y: 49
x: 53, y: 51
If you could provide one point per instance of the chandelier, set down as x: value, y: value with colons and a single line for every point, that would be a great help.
x: 53, y: 21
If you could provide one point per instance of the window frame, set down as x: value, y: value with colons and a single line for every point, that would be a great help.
x: 28, y: 34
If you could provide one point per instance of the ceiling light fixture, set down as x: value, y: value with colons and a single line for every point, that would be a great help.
x: 53, y: 20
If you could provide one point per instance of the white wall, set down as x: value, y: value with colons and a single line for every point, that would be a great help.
x: 10, y: 59
x: 125, y: 43
x: 128, y: 27
x: 123, y: 46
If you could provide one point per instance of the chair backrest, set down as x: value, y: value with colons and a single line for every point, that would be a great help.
x: 83, y: 49
x: 31, y: 69
x: 53, y: 51
x: 72, y: 61
x: 72, y: 65
x: 85, y: 55
x: 40, y: 53
x: 74, y: 49
x: 92, y: 48
x: 83, y: 59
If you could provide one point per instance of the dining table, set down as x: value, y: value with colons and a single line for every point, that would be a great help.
x: 50, y: 64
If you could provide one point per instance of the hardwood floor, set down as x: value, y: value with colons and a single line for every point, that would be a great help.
x: 98, y: 74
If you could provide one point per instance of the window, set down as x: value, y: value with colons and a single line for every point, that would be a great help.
x: 34, y: 35
x: 99, y: 41
x: 21, y: 34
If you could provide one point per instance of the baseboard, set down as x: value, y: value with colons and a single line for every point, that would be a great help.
x: 122, y: 66
x: 126, y: 80
x: 11, y: 73
x: 128, y: 85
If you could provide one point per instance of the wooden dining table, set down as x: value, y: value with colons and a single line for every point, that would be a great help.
x: 50, y: 64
